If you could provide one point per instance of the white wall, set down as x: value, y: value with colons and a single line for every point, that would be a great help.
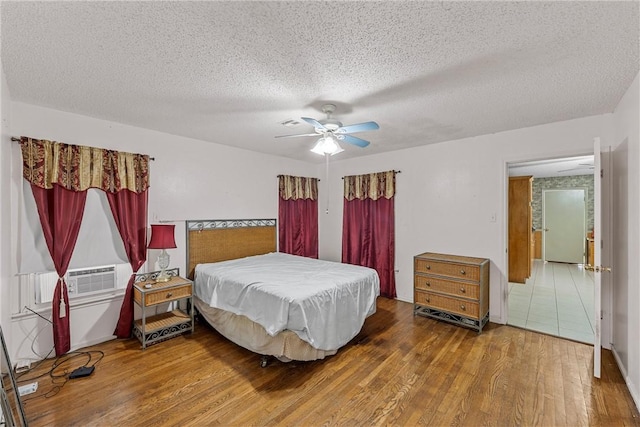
x: 448, y: 193
x: 626, y: 271
x: 190, y: 179
x: 5, y: 206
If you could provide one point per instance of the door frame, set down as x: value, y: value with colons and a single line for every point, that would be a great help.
x: 606, y: 226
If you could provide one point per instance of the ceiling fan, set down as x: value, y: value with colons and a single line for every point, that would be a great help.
x: 331, y: 131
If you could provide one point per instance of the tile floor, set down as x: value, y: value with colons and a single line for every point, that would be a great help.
x: 557, y: 300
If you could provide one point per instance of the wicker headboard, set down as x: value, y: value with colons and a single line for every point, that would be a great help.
x: 222, y: 240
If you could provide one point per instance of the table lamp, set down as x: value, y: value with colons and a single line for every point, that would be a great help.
x: 162, y: 237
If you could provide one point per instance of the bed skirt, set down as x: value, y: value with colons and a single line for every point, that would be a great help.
x: 285, y: 346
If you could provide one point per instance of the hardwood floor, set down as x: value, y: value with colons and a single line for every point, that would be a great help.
x: 400, y: 370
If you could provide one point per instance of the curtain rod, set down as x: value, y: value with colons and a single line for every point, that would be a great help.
x: 396, y: 172
x: 15, y: 139
x: 278, y: 176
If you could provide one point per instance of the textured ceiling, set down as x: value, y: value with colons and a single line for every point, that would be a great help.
x: 231, y: 72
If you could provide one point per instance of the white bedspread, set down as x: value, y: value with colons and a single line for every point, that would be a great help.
x: 325, y: 303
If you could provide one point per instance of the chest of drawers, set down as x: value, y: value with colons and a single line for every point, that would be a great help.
x: 452, y: 288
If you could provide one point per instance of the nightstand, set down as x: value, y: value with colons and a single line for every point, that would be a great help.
x: 149, y: 294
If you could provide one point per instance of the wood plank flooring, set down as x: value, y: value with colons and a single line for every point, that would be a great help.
x: 400, y: 370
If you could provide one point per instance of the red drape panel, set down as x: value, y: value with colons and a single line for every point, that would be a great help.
x: 368, y: 239
x: 298, y: 227
x: 130, y: 213
x: 60, y: 212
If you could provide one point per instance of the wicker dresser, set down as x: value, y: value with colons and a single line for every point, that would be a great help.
x: 452, y: 288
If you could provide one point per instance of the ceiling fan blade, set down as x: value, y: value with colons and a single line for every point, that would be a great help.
x: 352, y: 140
x: 360, y: 127
x: 313, y: 122
x: 294, y: 136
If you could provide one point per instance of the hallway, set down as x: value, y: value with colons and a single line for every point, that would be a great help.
x: 557, y: 300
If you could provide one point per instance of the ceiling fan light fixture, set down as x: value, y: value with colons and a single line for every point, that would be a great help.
x: 327, y: 145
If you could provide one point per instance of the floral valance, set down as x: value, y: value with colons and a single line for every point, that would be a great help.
x: 297, y: 187
x: 370, y: 186
x: 78, y: 167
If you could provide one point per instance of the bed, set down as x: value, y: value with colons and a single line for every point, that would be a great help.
x: 274, y: 304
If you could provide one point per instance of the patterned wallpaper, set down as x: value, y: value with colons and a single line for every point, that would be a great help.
x: 568, y: 182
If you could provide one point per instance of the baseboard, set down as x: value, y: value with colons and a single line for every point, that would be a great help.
x: 635, y: 394
x: 497, y: 319
x: 89, y: 343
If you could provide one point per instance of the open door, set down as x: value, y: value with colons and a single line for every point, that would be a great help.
x: 597, y: 259
x: 602, y: 239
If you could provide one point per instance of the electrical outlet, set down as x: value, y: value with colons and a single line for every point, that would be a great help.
x: 27, y: 389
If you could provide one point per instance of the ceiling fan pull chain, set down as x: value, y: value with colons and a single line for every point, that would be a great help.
x: 326, y: 157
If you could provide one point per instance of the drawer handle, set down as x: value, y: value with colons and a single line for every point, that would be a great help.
x: 428, y: 283
x: 169, y: 295
x: 462, y: 290
x: 428, y: 299
x: 463, y: 307
x: 428, y: 267
x: 463, y: 272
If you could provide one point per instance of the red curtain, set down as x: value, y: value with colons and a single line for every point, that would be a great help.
x: 298, y: 227
x: 298, y: 215
x: 130, y: 213
x: 60, y: 212
x: 60, y: 175
x: 368, y: 227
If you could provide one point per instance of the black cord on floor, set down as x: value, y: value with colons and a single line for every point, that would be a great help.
x: 60, y: 374
x: 21, y: 374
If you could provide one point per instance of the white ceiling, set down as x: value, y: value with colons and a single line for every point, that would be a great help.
x: 231, y: 72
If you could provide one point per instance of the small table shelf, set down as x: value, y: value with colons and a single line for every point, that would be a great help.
x: 148, y: 293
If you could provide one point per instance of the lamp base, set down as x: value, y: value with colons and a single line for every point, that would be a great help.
x: 163, y: 263
x: 163, y: 277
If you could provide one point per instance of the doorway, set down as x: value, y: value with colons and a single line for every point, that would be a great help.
x: 557, y: 298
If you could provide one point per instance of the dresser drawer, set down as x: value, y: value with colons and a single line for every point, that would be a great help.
x: 460, y: 271
x: 166, y: 295
x: 460, y: 289
x: 450, y: 304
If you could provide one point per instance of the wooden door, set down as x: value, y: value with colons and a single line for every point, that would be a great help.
x: 520, y: 228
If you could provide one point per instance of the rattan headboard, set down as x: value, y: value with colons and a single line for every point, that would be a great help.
x: 222, y: 240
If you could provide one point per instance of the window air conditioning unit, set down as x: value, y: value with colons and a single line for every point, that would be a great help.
x: 80, y: 282
x: 90, y: 280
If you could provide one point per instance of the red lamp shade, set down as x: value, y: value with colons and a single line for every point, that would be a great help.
x: 162, y: 236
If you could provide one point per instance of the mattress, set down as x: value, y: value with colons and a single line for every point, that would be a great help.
x: 324, y: 303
